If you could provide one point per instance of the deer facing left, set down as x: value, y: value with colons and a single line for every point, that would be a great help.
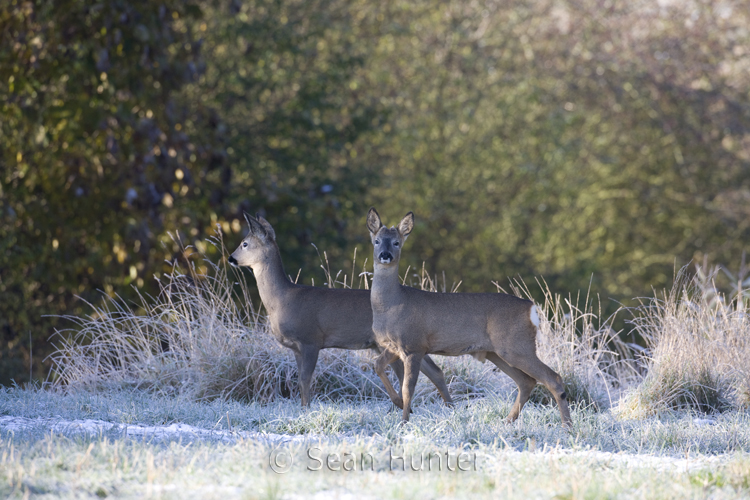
x: 307, y: 319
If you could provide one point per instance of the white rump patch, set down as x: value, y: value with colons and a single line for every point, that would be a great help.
x: 534, y: 316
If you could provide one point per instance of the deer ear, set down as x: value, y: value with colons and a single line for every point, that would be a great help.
x: 250, y: 221
x: 406, y: 224
x: 266, y: 227
x: 255, y: 228
x: 373, y: 221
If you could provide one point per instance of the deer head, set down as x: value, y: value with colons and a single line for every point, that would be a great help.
x: 388, y: 242
x: 256, y: 247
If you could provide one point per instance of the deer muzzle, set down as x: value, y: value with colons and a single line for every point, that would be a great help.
x: 385, y: 257
x: 233, y: 261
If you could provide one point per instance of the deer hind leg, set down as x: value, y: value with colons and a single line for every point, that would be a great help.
x: 524, y: 382
x: 386, y: 358
x: 533, y: 366
x: 436, y: 376
x: 412, y: 365
x: 307, y: 358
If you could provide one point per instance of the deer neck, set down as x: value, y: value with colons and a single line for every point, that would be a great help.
x: 386, y: 288
x: 273, y: 283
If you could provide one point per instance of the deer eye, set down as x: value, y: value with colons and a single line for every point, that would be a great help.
x: 377, y: 242
x: 244, y: 244
x: 396, y: 243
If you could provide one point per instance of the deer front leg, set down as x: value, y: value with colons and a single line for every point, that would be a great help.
x: 412, y: 364
x: 396, y: 365
x: 306, y: 358
x: 384, y: 359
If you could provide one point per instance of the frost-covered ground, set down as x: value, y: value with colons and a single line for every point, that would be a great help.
x: 153, y: 433
x: 130, y: 444
x: 184, y: 433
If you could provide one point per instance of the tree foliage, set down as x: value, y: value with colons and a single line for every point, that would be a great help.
x: 564, y: 139
x: 88, y: 126
x: 568, y: 139
x: 124, y: 122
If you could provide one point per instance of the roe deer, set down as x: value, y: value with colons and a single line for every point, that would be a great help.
x: 409, y: 323
x: 307, y: 319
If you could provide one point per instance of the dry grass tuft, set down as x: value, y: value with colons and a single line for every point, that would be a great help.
x: 201, y: 338
x: 698, y: 346
x: 582, y: 347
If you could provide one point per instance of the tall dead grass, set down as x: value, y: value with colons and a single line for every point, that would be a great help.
x: 580, y: 344
x: 200, y: 337
x: 698, y: 344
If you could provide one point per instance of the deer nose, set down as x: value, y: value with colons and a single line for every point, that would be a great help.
x: 233, y: 261
x: 385, y: 257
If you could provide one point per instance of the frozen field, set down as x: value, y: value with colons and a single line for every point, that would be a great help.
x: 129, y: 444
